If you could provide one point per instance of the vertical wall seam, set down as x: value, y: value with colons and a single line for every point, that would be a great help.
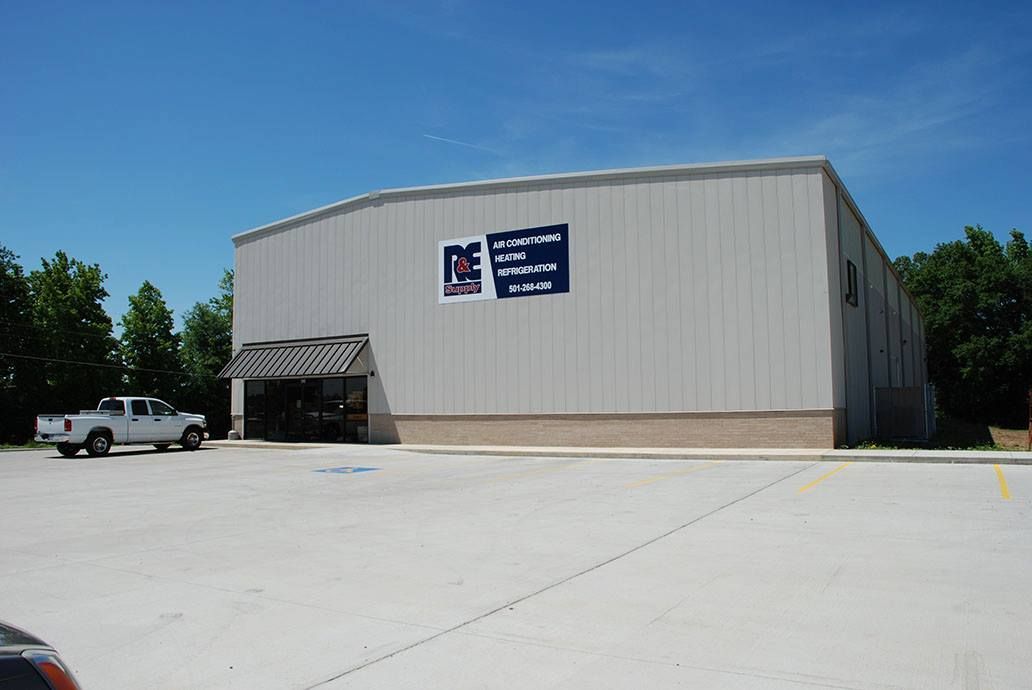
x: 840, y: 255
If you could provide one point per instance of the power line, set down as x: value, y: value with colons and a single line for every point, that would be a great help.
x: 106, y: 366
x: 59, y: 330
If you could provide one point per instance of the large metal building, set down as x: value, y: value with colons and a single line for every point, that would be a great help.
x: 741, y: 304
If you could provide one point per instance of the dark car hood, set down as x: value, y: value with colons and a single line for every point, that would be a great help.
x: 11, y: 636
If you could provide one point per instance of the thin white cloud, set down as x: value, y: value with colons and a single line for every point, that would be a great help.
x: 456, y: 142
x: 654, y: 58
x: 930, y: 109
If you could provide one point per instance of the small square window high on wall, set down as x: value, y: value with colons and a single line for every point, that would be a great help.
x: 852, y: 294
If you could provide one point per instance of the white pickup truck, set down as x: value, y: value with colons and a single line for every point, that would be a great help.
x: 122, y: 421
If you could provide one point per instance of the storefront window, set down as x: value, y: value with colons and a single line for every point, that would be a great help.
x: 254, y: 409
x: 326, y: 410
x: 333, y: 410
x: 276, y: 413
x: 356, y: 425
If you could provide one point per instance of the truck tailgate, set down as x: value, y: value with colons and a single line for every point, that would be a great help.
x: 50, y: 424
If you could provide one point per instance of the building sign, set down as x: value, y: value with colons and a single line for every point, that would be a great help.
x: 515, y: 263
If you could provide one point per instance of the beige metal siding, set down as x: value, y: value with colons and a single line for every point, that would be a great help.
x: 858, y: 376
x: 895, y: 334
x: 906, y: 340
x: 881, y: 337
x: 837, y: 277
x: 690, y: 292
x: 876, y: 318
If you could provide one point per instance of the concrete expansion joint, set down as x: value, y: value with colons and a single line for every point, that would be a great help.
x: 558, y: 583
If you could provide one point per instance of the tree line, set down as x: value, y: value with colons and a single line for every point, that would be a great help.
x: 58, y: 352
x: 975, y: 296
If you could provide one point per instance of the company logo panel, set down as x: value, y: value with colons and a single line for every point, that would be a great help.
x: 514, y: 263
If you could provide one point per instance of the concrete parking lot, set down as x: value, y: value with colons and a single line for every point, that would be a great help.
x: 243, y: 568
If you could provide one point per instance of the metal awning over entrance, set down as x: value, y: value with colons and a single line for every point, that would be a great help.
x: 295, y: 358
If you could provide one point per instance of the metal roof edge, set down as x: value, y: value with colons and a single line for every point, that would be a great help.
x: 837, y: 181
x: 300, y: 217
x: 320, y: 340
x: 790, y: 162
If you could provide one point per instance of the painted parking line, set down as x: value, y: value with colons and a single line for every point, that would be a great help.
x: 671, y: 475
x: 821, y: 478
x: 1004, y: 489
x: 526, y: 474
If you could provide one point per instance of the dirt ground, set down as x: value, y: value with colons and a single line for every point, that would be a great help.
x: 1011, y: 439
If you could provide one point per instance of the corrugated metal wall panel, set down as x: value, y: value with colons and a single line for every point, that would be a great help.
x: 895, y: 337
x: 761, y: 271
x: 702, y: 292
x: 836, y: 267
x: 881, y: 341
x: 906, y: 316
x: 857, y: 351
x: 877, y: 306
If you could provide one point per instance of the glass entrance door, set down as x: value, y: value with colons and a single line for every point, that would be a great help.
x: 325, y: 410
x: 302, y: 403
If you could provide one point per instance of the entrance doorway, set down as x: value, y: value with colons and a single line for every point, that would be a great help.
x: 312, y: 410
x: 302, y: 406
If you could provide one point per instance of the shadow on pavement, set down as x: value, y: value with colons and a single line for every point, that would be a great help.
x: 115, y: 454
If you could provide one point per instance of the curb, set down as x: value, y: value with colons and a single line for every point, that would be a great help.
x: 609, y: 454
x: 269, y: 445
x: 804, y: 455
x: 941, y: 457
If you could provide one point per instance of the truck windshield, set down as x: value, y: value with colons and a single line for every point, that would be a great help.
x: 113, y: 406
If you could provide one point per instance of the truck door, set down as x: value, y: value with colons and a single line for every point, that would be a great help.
x: 167, y: 425
x: 140, y: 425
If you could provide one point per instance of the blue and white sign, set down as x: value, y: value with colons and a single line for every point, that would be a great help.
x: 514, y: 263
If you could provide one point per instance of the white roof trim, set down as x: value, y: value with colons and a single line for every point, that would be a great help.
x: 680, y: 169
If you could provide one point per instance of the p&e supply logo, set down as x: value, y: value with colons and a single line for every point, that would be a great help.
x: 499, y: 265
x: 462, y: 273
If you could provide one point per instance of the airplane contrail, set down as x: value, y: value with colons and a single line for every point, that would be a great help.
x: 462, y: 143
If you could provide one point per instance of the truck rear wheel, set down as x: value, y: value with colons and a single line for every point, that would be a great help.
x: 192, y: 438
x: 68, y: 449
x: 98, y: 443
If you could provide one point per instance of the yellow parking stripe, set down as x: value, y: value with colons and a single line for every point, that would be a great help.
x: 671, y: 475
x: 526, y: 474
x: 820, y: 479
x: 1004, y: 490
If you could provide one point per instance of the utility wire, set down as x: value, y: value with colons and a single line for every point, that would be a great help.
x: 16, y: 324
x: 106, y: 366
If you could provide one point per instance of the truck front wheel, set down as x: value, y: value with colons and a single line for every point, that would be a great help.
x: 68, y: 449
x: 98, y: 443
x: 192, y: 438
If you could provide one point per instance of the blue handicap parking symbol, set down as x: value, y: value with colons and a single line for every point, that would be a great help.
x: 346, y: 470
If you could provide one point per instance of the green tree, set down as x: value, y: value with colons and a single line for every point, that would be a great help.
x: 71, y: 325
x: 976, y: 299
x: 19, y: 382
x: 149, y: 346
x: 207, y: 345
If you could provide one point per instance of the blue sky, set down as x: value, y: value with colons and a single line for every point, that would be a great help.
x: 142, y: 135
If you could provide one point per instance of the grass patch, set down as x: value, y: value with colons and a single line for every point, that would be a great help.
x: 28, y: 445
x: 959, y: 434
